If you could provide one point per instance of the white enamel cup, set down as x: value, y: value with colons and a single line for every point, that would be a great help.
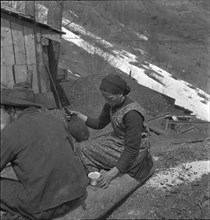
x: 94, y: 176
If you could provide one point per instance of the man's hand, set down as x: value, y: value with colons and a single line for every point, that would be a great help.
x: 106, y: 177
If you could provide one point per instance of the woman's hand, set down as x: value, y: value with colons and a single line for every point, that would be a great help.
x: 106, y: 177
x: 72, y: 112
x: 68, y: 114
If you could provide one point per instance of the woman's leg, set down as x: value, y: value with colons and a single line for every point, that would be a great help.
x: 100, y: 153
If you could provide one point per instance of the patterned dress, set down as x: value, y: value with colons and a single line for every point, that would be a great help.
x: 104, y: 152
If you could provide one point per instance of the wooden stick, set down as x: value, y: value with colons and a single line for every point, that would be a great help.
x: 188, y: 129
x: 188, y: 122
x: 166, y: 127
x: 160, y: 116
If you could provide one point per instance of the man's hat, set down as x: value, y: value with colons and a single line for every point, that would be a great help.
x: 19, y: 97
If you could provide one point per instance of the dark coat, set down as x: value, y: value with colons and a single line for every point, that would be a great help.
x: 39, y: 149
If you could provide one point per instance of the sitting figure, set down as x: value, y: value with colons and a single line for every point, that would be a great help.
x: 51, y: 180
x: 126, y: 149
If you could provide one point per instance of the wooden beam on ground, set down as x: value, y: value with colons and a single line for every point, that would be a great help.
x: 186, y: 130
x: 157, y: 130
x: 188, y: 122
x: 100, y: 201
x: 167, y: 114
x: 185, y: 116
x: 191, y: 137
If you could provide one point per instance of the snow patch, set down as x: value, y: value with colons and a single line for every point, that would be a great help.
x: 187, y: 172
x: 141, y: 51
x: 143, y: 37
x: 71, y: 12
x: 83, y: 31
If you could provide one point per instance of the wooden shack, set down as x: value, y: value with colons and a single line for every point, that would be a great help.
x: 30, y: 43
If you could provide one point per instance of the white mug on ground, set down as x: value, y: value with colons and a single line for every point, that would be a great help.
x: 94, y: 176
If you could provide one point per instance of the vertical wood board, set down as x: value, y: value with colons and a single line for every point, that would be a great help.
x: 19, y: 43
x: 29, y: 45
x: 35, y: 82
x: 40, y: 65
x: 7, y: 52
x: 20, y: 72
x: 46, y: 65
x: 7, y: 76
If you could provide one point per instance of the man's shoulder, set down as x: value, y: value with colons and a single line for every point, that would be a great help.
x: 10, y: 130
x: 55, y: 114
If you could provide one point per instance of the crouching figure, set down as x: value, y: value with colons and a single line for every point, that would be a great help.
x: 51, y: 180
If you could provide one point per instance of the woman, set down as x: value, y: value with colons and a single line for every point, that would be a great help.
x: 126, y: 149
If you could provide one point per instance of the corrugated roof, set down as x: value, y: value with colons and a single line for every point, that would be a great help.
x: 28, y: 18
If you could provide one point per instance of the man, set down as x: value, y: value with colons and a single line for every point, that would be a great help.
x: 50, y: 178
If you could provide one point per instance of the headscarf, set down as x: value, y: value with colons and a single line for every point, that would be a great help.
x: 114, y: 84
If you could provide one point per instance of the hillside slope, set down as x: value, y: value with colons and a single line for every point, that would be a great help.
x: 174, y: 35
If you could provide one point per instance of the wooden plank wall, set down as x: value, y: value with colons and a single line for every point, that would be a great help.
x: 22, y: 52
x: 31, y: 57
x: 7, y: 54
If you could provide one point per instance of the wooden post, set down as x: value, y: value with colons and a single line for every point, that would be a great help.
x: 54, y: 17
x: 30, y: 8
x: 53, y: 53
x: 166, y: 127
